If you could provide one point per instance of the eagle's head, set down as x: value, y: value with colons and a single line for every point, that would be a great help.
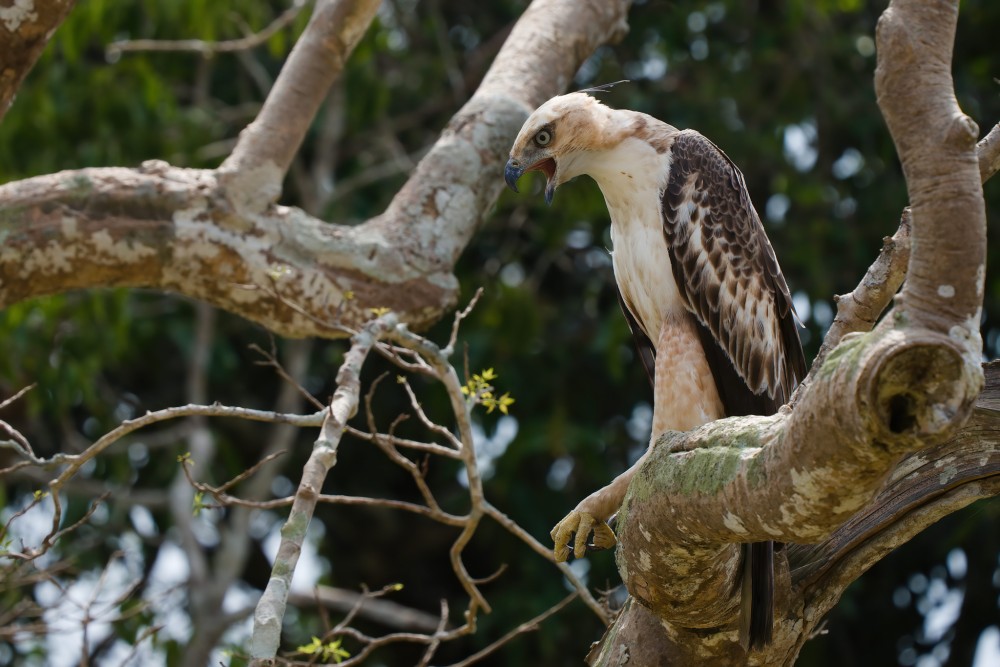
x: 555, y: 138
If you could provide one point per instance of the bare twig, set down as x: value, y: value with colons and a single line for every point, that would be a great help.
x: 459, y: 316
x: 220, y: 491
x: 546, y: 552
x: 271, y: 359
x: 436, y: 641
x: 396, y: 441
x: 208, y: 48
x: 13, y: 399
x: 386, y: 612
x: 527, y: 626
x: 74, y: 462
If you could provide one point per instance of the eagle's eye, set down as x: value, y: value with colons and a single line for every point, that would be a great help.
x: 543, y: 137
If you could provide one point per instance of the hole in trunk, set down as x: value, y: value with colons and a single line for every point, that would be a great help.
x: 902, y: 415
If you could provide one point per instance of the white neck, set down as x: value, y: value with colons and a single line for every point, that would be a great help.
x: 629, y: 170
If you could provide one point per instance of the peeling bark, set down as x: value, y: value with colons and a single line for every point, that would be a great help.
x: 25, y: 29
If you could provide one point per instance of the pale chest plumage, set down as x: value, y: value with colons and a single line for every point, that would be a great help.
x: 632, y: 178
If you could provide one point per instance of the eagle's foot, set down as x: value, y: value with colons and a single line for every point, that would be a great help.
x: 584, y: 526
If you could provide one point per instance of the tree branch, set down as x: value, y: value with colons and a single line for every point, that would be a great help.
x: 268, y: 145
x: 936, y: 144
x: 216, y: 240
x: 270, y: 610
x: 859, y: 310
x: 25, y: 29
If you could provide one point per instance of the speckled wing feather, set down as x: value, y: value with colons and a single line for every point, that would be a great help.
x: 726, y: 270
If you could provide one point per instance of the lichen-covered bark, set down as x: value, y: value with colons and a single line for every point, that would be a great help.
x: 921, y: 488
x: 216, y: 236
x: 25, y: 29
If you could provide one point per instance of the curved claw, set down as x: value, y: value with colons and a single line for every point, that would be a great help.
x: 583, y: 525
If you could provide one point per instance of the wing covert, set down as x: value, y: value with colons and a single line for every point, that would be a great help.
x: 726, y: 269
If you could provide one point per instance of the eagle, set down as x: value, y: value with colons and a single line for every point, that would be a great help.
x: 699, y: 285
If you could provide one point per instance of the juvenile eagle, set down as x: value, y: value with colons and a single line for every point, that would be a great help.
x: 698, y: 282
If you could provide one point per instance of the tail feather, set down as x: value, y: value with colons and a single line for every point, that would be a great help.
x: 757, y: 605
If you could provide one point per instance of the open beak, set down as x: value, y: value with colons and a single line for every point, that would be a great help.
x: 515, y: 169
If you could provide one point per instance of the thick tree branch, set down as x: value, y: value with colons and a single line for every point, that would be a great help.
x: 269, y: 144
x: 936, y: 144
x: 858, y: 310
x: 217, y: 240
x: 25, y: 29
x: 923, y: 487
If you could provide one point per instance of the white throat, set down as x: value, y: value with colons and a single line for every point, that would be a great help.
x: 632, y: 176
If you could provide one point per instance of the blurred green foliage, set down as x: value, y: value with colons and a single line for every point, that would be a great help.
x: 785, y: 88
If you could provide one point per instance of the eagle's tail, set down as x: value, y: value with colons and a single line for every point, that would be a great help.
x: 757, y: 605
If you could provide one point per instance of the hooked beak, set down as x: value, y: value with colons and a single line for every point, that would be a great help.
x: 514, y: 170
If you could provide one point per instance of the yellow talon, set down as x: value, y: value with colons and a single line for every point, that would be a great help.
x: 581, y: 525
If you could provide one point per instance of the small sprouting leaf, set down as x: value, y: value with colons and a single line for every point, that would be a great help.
x: 326, y: 652
x: 198, y: 505
x: 379, y: 312
x: 505, y: 402
x: 312, y: 647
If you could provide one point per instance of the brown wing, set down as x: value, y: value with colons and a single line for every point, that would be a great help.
x: 727, y: 272
x: 643, y: 346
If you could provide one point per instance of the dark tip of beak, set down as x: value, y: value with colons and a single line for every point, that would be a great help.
x: 511, y: 173
x: 550, y: 191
